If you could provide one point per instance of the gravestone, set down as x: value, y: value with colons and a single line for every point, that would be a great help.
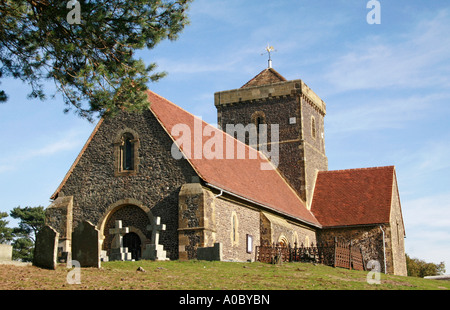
x: 210, y: 253
x: 154, y: 250
x: 85, y: 245
x: 118, y: 251
x: 5, y: 252
x: 46, y: 248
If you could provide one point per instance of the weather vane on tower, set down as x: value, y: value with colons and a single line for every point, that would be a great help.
x: 269, y: 49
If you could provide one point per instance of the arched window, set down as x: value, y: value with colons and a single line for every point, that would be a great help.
x: 127, y: 152
x: 234, y: 229
x: 259, y: 120
x: 126, y: 148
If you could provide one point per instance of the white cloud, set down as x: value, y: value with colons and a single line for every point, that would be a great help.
x: 426, y: 166
x: 194, y: 66
x: 411, y: 60
x: 435, y: 157
x: 67, y: 141
x: 427, y: 222
x: 381, y: 113
x: 428, y: 213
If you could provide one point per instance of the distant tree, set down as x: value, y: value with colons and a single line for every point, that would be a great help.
x: 6, y: 235
x: 420, y: 268
x: 23, y: 248
x: 32, y: 219
x: 87, y: 48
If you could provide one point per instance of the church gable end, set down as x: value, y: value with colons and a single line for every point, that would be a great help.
x: 100, y: 177
x: 398, y: 234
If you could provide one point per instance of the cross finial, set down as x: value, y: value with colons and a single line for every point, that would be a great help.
x: 269, y: 49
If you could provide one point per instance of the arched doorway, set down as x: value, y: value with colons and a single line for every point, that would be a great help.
x: 133, y: 243
x: 133, y: 216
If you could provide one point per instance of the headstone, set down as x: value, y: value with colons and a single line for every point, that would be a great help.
x: 85, y: 245
x: 154, y: 250
x: 210, y: 253
x: 5, y: 252
x: 46, y: 248
x: 118, y: 251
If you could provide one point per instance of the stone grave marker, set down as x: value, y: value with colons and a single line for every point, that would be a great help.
x: 85, y: 245
x: 154, y: 250
x: 118, y: 251
x: 46, y: 248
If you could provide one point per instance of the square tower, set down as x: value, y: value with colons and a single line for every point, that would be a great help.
x: 270, y: 99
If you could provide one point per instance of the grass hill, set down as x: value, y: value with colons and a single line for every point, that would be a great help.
x: 203, y: 275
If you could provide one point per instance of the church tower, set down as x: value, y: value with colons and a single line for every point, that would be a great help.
x: 270, y: 99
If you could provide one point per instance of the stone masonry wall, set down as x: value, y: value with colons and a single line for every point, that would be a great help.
x: 196, y: 221
x: 279, y: 111
x: 300, y: 154
x: 247, y: 221
x: 369, y: 238
x: 313, y: 146
x: 95, y: 187
x: 275, y: 229
x: 397, y: 241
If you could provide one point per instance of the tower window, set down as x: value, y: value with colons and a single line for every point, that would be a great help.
x: 259, y: 121
x: 313, y: 127
x: 259, y: 118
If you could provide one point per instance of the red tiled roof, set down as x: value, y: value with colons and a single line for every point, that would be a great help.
x: 354, y: 196
x: 241, y: 177
x: 267, y: 76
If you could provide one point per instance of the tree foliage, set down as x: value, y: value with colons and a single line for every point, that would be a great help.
x: 31, y: 220
x: 419, y: 268
x: 92, y: 63
x: 6, y: 235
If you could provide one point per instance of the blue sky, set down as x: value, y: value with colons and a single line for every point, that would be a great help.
x: 386, y: 86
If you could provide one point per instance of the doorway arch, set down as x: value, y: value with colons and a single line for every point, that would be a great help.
x: 132, y: 241
x: 133, y: 215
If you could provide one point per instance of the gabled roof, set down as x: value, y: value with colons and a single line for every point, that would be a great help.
x: 267, y: 76
x: 354, y: 196
x: 241, y: 177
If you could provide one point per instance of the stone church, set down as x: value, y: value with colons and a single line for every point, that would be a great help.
x: 213, y: 191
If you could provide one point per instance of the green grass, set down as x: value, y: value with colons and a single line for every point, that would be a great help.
x: 202, y: 275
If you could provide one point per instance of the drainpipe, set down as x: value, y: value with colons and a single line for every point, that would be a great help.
x: 384, y: 249
x: 220, y: 194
